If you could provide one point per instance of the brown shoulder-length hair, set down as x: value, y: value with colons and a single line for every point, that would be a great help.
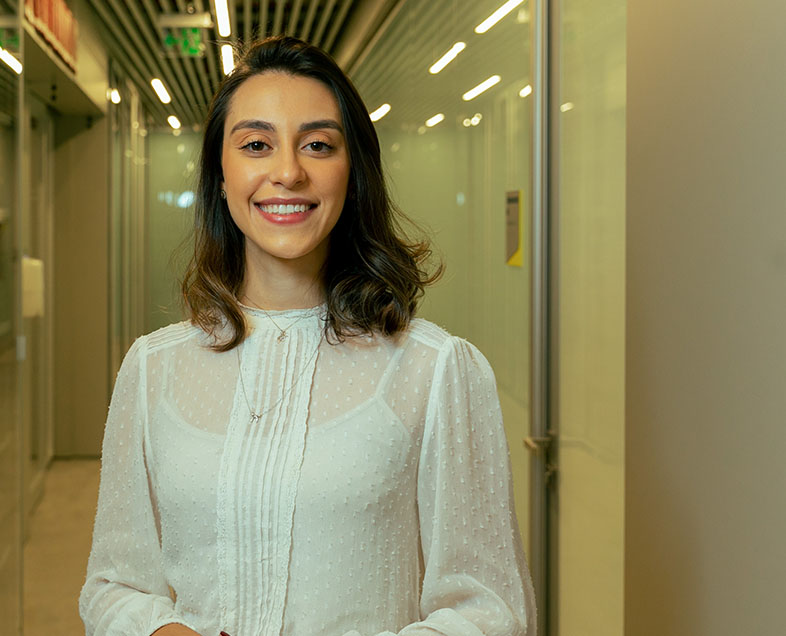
x: 373, y: 276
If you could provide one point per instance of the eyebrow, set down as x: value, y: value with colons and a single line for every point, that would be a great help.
x: 258, y: 124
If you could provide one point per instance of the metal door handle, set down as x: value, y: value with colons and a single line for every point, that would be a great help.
x: 537, y: 444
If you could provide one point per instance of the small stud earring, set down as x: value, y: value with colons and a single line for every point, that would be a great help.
x: 223, y: 194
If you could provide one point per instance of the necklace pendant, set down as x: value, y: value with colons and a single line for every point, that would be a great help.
x: 255, y: 417
x: 282, y: 336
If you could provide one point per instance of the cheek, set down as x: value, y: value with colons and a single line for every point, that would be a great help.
x: 337, y: 181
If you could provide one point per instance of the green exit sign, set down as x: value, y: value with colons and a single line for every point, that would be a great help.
x: 9, y: 39
x: 186, y: 42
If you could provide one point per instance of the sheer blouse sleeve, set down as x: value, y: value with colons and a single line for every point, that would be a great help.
x: 476, y: 581
x: 126, y: 591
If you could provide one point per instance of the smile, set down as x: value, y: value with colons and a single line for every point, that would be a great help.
x: 283, y: 210
x: 285, y: 213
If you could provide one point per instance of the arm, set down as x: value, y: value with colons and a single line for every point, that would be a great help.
x: 126, y: 590
x: 476, y: 581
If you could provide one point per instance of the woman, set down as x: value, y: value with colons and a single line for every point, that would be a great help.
x: 303, y: 457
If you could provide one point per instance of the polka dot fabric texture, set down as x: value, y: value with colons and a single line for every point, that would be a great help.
x: 371, y: 496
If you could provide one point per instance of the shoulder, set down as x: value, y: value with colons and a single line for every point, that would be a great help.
x: 169, y: 338
x: 427, y: 334
x: 449, y: 351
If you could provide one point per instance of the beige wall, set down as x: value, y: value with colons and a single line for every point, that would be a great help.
x: 706, y: 318
x: 81, y: 286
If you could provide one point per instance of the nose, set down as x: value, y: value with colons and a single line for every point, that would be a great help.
x: 287, y: 169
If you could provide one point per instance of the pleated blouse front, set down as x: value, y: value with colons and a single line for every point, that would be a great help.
x: 293, y: 487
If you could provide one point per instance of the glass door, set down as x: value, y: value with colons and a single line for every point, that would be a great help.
x: 36, y: 275
x: 10, y: 440
x: 451, y: 88
x: 37, y: 299
x: 587, y: 110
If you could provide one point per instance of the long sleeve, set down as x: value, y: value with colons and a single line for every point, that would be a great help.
x: 126, y: 591
x: 476, y: 581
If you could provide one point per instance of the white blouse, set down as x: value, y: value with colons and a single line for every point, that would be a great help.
x: 371, y: 495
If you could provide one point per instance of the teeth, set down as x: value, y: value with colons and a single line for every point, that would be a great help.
x: 284, y: 209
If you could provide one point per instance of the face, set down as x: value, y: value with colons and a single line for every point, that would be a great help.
x: 286, y: 167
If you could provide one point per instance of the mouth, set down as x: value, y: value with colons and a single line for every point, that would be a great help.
x: 285, y: 212
x: 285, y: 209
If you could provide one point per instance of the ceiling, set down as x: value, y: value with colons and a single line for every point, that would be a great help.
x: 146, y: 39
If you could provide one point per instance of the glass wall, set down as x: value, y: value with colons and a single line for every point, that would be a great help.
x: 170, y: 217
x: 128, y: 172
x: 37, y: 297
x: 590, y: 110
x: 458, y: 162
x: 10, y: 441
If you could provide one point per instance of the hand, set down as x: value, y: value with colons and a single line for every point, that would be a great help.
x: 175, y: 629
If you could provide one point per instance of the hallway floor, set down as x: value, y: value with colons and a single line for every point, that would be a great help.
x: 55, y: 554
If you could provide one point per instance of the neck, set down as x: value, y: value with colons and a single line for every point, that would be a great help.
x: 277, y: 284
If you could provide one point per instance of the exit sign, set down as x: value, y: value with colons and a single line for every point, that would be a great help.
x: 186, y: 42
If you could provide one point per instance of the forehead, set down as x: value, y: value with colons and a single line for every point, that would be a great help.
x: 279, y: 97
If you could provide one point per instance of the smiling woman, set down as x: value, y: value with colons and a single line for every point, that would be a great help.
x: 369, y: 275
x: 303, y: 456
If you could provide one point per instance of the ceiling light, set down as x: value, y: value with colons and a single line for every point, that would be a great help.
x: 380, y: 112
x: 174, y: 122
x: 566, y: 107
x: 497, y: 15
x: 114, y: 96
x: 524, y: 92
x: 9, y: 59
x: 227, y: 58
x: 483, y: 86
x: 446, y: 59
x: 222, y: 18
x: 433, y: 121
x: 158, y: 87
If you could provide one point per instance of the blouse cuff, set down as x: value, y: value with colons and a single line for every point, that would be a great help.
x: 172, y: 620
x: 446, y: 622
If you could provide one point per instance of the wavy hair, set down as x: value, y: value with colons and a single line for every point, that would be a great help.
x: 373, y: 276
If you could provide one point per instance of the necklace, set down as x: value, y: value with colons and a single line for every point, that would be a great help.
x: 255, y: 417
x: 282, y: 335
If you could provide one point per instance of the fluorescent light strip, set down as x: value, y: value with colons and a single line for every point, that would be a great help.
x: 433, y: 121
x: 497, y: 15
x: 222, y: 18
x: 174, y: 122
x: 526, y: 91
x: 380, y: 112
x: 227, y: 58
x: 9, y: 59
x: 158, y: 87
x: 483, y: 86
x: 446, y: 59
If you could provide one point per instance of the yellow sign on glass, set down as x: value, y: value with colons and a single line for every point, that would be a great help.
x: 514, y: 255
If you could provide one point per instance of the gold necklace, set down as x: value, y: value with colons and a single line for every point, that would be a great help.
x: 282, y: 335
x: 255, y: 417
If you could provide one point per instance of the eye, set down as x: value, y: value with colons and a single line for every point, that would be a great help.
x: 319, y: 146
x: 255, y: 146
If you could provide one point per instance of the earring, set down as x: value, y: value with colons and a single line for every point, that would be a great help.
x: 223, y: 194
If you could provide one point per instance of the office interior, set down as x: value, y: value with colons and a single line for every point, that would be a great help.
x: 604, y: 182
